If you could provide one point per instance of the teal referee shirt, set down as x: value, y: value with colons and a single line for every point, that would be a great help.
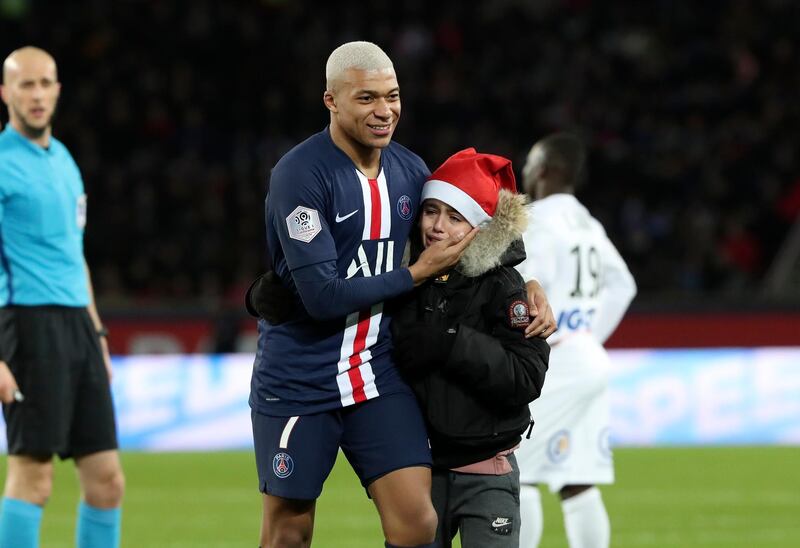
x: 42, y: 216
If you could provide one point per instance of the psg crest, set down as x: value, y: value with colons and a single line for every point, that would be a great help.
x: 282, y: 465
x: 404, y: 207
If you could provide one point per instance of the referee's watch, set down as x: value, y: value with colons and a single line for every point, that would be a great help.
x: 102, y: 331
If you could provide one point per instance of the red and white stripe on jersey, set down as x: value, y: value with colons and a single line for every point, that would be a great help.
x: 355, y: 377
x: 377, y: 210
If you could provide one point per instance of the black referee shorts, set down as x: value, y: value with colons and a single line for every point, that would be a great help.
x: 55, y: 356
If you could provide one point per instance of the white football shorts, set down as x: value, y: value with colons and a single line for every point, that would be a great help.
x: 569, y: 444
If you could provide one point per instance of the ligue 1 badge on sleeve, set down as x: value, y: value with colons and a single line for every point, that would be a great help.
x: 303, y: 224
x: 282, y: 465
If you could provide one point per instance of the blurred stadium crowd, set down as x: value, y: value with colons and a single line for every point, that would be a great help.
x: 175, y: 112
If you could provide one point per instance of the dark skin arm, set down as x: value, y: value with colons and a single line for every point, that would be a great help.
x: 543, y: 322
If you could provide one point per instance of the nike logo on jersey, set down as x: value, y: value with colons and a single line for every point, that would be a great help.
x: 340, y: 219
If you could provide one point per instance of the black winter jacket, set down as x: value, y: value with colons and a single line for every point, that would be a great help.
x: 475, y: 401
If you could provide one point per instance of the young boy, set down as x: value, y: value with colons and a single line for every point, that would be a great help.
x: 460, y: 343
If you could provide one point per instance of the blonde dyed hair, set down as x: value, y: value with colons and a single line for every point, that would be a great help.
x: 354, y: 55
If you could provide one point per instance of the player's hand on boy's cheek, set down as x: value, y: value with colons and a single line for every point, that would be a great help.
x: 440, y: 256
x: 460, y: 241
x: 543, y: 322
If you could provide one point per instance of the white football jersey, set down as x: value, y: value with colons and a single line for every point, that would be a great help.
x: 587, y: 283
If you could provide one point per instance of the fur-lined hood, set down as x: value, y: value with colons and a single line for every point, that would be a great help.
x: 498, y: 242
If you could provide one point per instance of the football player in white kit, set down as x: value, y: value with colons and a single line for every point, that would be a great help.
x: 590, y: 288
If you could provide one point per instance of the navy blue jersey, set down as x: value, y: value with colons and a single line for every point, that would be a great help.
x: 322, y: 213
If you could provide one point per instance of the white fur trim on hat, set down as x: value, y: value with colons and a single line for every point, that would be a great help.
x: 457, y: 199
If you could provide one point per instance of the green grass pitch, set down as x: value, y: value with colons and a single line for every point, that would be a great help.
x: 664, y: 497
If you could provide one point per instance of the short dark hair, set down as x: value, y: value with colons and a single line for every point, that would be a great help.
x: 565, y: 153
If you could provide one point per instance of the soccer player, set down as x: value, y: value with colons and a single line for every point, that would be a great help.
x: 338, y: 214
x: 54, y: 364
x: 460, y: 342
x: 590, y: 288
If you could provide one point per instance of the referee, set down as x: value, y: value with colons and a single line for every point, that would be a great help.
x: 54, y: 363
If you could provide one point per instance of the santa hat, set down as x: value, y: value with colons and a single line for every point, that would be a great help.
x: 470, y: 182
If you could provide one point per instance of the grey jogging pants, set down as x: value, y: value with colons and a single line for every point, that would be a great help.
x: 483, y: 509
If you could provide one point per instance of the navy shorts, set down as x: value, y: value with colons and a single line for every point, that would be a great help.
x: 294, y: 455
